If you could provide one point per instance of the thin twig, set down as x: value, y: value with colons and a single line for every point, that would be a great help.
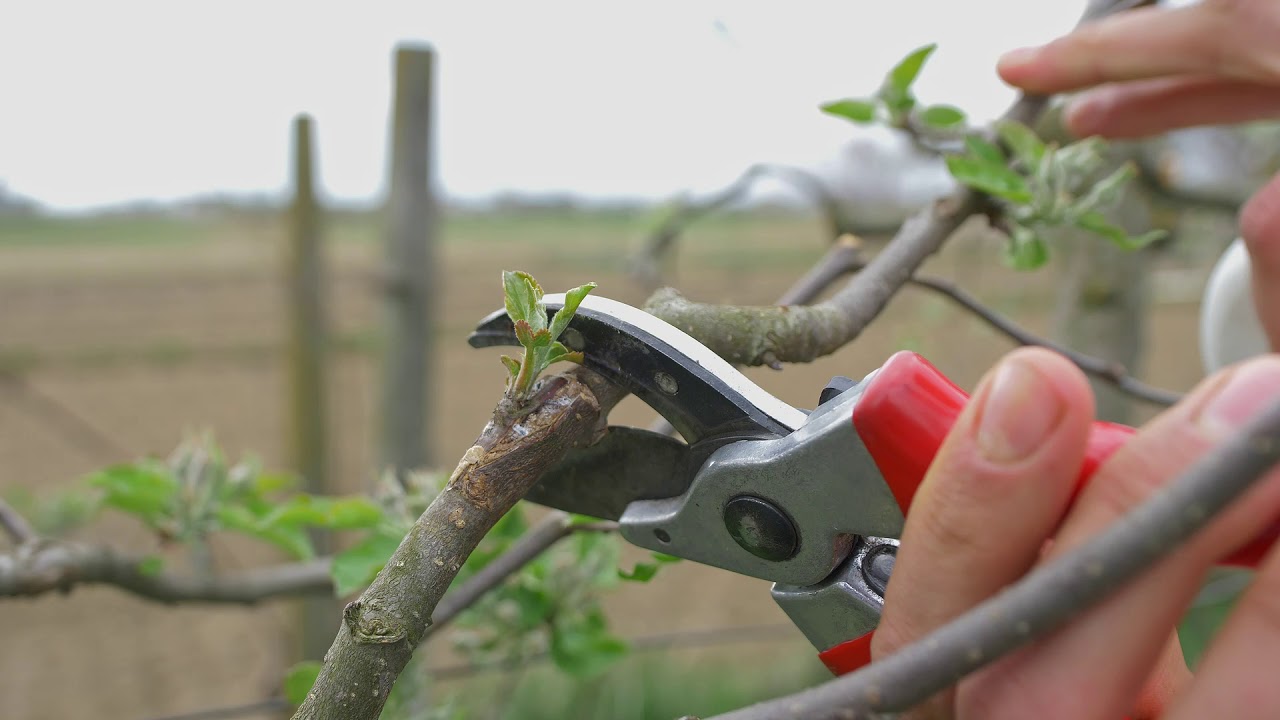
x: 552, y: 529
x: 1113, y: 372
x: 17, y: 527
x: 37, y: 568
x: 74, y: 427
x: 843, y: 257
x: 647, y: 263
x: 1049, y: 596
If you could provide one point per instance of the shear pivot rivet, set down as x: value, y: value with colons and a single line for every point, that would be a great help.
x: 666, y: 383
x: 761, y: 528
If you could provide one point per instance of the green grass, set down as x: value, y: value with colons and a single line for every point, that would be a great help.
x: 641, y: 687
x: 122, y: 229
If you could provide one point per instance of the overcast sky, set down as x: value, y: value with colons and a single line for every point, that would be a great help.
x: 104, y: 102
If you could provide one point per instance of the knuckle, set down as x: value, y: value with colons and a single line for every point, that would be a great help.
x: 1131, y: 479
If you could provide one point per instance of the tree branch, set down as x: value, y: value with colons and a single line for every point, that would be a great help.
x: 648, y: 262
x: 1112, y: 372
x: 43, y: 566
x: 1047, y: 597
x: 16, y: 526
x: 756, y: 335
x: 380, y: 630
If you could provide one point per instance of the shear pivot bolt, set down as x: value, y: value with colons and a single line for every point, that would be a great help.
x: 761, y: 528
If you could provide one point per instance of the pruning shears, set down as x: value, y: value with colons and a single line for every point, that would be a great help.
x: 814, y: 501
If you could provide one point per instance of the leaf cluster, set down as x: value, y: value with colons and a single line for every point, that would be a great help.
x: 540, y: 339
x: 1042, y: 186
x: 895, y: 103
x: 197, y: 492
x: 1038, y: 186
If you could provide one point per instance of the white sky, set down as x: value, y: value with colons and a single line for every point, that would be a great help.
x: 103, y: 102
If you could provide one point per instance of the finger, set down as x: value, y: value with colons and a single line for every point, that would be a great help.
x: 1210, y: 37
x: 1150, y: 107
x: 1237, y: 678
x: 994, y: 493
x: 1096, y: 666
x: 1260, y: 227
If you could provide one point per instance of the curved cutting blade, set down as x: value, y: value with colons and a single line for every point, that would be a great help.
x: 626, y: 464
x: 700, y: 394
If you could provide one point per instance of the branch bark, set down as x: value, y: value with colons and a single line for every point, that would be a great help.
x: 43, y: 566
x: 1046, y: 598
x: 1111, y: 372
x: 380, y: 629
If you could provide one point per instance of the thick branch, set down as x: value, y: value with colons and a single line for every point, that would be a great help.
x: 43, y: 566
x: 380, y: 630
x: 1047, y: 597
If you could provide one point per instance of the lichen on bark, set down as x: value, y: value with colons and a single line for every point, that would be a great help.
x: 754, y: 335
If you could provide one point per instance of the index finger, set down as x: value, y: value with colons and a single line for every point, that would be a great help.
x: 1209, y: 38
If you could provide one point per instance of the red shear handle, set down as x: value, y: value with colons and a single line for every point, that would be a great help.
x: 909, y: 407
x: 903, y: 417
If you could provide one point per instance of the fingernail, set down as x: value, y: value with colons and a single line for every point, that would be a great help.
x: 1250, y: 388
x: 1017, y: 58
x: 1019, y: 413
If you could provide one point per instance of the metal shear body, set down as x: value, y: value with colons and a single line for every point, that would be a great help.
x: 813, y: 501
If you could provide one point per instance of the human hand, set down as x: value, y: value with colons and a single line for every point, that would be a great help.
x: 995, y: 504
x: 1152, y: 70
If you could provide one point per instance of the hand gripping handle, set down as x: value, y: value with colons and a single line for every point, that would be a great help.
x: 903, y: 416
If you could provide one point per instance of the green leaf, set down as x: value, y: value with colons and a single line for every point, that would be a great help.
x: 643, y: 572
x: 665, y: 558
x: 942, y: 116
x: 991, y: 178
x: 1106, y: 192
x: 267, y: 483
x: 559, y: 352
x: 862, y: 112
x: 357, y: 566
x: 150, y: 566
x: 1098, y: 223
x: 907, y: 70
x: 1026, y: 250
x: 534, y: 606
x: 300, y: 679
x: 524, y: 333
x: 146, y: 492
x: 291, y: 538
x: 1024, y: 143
x: 353, y: 513
x: 572, y: 299
x: 512, y: 365
x: 984, y: 151
x: 585, y: 648
x: 523, y: 296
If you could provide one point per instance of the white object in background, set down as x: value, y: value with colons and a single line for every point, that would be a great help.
x: 1229, y: 326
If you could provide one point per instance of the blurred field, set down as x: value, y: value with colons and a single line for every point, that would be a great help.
x: 120, y: 334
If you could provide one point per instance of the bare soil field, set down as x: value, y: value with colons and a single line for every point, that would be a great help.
x: 111, y: 349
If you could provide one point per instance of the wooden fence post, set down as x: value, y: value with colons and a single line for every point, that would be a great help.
x: 307, y: 416
x: 410, y: 272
